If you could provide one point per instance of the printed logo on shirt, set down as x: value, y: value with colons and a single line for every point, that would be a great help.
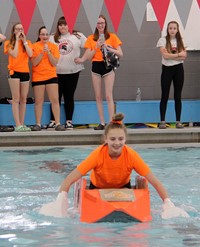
x: 65, y: 47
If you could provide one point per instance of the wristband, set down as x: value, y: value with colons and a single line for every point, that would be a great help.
x: 26, y: 43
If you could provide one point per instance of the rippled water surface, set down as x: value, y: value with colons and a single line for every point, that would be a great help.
x: 30, y: 177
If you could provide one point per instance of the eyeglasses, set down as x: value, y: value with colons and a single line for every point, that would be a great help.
x: 44, y: 34
x: 19, y: 29
x: 100, y: 23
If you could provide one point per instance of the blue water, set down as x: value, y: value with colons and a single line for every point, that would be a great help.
x: 30, y: 177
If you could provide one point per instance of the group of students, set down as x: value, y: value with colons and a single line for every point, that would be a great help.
x: 56, y: 66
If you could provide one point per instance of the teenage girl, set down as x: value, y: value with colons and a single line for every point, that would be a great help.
x: 70, y: 45
x: 94, y: 45
x: 173, y: 54
x: 19, y: 50
x: 44, y: 78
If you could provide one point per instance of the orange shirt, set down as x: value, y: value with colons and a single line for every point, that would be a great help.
x: 109, y: 173
x: 113, y: 41
x: 44, y: 70
x: 20, y: 63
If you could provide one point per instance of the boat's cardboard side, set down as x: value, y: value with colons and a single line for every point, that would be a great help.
x: 119, y: 205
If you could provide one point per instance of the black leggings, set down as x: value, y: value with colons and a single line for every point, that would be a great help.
x: 176, y: 74
x: 67, y: 87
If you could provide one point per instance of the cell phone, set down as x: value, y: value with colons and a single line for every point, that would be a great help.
x: 102, y: 37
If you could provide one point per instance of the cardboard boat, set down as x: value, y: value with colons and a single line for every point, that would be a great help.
x: 112, y: 205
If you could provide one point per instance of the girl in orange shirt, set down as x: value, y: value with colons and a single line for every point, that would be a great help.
x: 19, y: 50
x: 112, y: 164
x: 44, y: 60
x: 96, y: 43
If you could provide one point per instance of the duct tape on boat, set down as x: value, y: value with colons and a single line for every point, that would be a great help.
x: 117, y: 195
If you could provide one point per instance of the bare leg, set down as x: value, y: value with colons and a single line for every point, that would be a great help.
x: 24, y: 88
x: 39, y: 99
x: 97, y: 85
x: 14, y: 84
x: 109, y: 83
x: 52, y: 91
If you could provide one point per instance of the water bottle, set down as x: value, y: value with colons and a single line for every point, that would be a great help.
x: 138, y: 95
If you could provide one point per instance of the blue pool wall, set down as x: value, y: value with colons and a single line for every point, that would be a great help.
x: 85, y: 112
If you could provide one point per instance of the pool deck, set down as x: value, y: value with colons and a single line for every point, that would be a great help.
x: 88, y: 136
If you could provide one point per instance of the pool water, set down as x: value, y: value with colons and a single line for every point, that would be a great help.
x: 30, y: 177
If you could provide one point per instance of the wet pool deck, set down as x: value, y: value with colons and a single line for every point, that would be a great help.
x: 88, y: 136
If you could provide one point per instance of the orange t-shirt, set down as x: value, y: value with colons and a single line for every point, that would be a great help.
x: 109, y: 173
x: 20, y: 63
x: 113, y: 41
x: 44, y: 70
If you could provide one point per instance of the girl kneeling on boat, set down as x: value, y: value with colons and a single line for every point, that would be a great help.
x: 111, y: 165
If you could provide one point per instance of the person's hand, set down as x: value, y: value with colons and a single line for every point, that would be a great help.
x: 2, y: 37
x: 57, y: 208
x: 182, y: 54
x: 46, y: 49
x: 171, y: 211
x: 78, y: 60
x: 22, y: 36
x: 18, y: 36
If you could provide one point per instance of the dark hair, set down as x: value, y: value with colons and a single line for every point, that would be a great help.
x: 43, y: 27
x: 116, y: 123
x: 180, y: 45
x: 62, y: 21
x: 106, y: 33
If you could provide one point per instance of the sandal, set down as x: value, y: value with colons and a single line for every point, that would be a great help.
x: 162, y: 125
x: 179, y: 125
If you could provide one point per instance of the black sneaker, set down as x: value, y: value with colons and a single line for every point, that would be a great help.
x: 52, y: 124
x: 69, y: 126
x: 99, y: 127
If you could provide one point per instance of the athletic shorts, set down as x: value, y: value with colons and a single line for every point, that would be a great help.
x: 92, y: 186
x: 22, y: 76
x: 46, y: 82
x: 100, y: 69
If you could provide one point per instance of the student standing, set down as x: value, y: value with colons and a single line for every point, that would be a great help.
x: 173, y: 53
x: 19, y: 50
x: 95, y: 44
x: 44, y: 60
x: 68, y: 71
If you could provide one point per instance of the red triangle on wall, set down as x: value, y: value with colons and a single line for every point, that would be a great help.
x: 160, y: 9
x: 25, y: 11
x: 115, y: 9
x: 70, y: 10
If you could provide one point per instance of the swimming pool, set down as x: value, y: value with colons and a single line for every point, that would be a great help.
x: 30, y: 177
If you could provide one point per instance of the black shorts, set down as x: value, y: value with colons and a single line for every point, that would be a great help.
x: 50, y: 81
x: 20, y: 75
x: 92, y: 186
x: 100, y: 69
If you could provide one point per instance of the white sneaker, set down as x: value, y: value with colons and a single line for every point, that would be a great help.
x: 69, y: 126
